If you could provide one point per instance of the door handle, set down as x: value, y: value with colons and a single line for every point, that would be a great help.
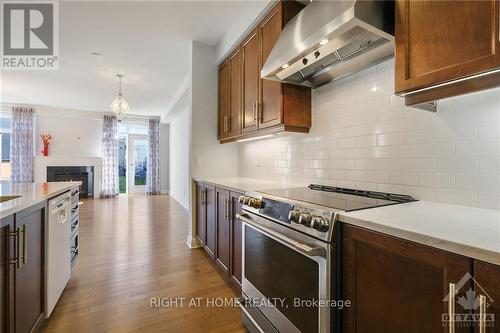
x: 451, y: 308
x: 482, y: 314
x: 313, y: 251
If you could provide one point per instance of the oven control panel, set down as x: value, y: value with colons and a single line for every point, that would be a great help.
x: 301, y: 217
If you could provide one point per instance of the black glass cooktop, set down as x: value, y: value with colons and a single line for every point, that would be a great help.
x: 339, y: 198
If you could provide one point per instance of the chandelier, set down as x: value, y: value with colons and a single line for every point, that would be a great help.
x: 119, y: 105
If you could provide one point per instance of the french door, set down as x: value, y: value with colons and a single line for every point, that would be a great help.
x: 137, y: 158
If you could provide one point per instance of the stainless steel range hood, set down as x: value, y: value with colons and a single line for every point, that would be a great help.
x: 330, y: 39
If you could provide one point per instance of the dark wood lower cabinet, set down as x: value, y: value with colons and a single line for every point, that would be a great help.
x: 395, y: 285
x: 22, y: 270
x: 487, y: 285
x: 236, y: 240
x: 222, y: 254
x: 210, y: 220
x: 29, y: 276
x: 216, y: 213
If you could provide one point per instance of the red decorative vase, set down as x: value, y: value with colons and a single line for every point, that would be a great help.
x: 45, y: 150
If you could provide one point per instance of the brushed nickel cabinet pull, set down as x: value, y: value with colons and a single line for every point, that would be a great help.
x: 15, y: 260
x: 230, y: 209
x: 482, y: 314
x: 254, y: 108
x: 451, y: 308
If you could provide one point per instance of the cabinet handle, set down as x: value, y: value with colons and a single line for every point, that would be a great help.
x: 25, y: 245
x: 225, y: 124
x: 451, y: 308
x: 260, y: 112
x: 15, y: 234
x: 225, y: 209
x: 482, y: 314
x: 254, y: 107
x: 204, y: 200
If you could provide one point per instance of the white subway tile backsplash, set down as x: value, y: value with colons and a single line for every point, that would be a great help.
x: 363, y: 136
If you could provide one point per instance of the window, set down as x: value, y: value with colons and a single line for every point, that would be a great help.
x: 5, y: 147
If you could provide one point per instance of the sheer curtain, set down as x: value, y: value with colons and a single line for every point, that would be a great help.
x: 21, y: 145
x: 153, y: 169
x: 109, y: 157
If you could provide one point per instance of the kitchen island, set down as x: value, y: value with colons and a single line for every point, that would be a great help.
x: 24, y: 249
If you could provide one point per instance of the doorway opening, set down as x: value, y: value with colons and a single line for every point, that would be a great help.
x: 132, y: 157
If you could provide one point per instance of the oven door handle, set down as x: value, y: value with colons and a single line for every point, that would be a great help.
x: 313, y: 251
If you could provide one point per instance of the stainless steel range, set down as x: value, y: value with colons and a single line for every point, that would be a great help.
x: 291, y: 255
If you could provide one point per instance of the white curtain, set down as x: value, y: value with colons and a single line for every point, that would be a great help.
x: 109, y: 157
x: 153, y: 168
x: 21, y: 145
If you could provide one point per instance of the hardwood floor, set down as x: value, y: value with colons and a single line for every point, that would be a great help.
x: 132, y: 249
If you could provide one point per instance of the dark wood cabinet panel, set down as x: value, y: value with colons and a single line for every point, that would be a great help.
x: 396, y: 285
x: 224, y: 107
x: 29, y: 276
x: 488, y: 285
x: 210, y: 220
x: 440, y: 41
x: 235, y: 92
x: 270, y: 107
x: 222, y: 255
x: 6, y: 275
x: 236, y: 240
x: 251, y: 81
x: 200, y: 213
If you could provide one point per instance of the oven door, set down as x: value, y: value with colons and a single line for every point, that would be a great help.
x: 284, y: 272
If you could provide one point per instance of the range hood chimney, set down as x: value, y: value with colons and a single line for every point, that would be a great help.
x: 330, y: 39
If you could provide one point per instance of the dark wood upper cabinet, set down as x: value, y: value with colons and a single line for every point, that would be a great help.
x: 210, y: 220
x: 235, y: 92
x: 251, y: 81
x: 487, y: 277
x: 265, y: 106
x: 271, y: 106
x: 222, y: 254
x: 441, y: 41
x: 224, y: 101
x: 395, y: 285
x: 236, y: 239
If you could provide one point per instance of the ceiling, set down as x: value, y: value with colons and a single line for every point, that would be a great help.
x: 148, y: 41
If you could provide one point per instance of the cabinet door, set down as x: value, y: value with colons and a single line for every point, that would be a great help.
x: 235, y: 91
x: 251, y: 81
x: 224, y: 100
x: 200, y: 213
x: 437, y: 41
x: 395, y: 285
x: 29, y: 277
x: 6, y: 275
x: 236, y: 234
x: 210, y: 220
x: 487, y: 277
x: 222, y: 224
x: 271, y: 106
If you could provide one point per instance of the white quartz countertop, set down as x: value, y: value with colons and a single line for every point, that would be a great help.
x: 243, y: 184
x: 30, y: 194
x: 469, y: 231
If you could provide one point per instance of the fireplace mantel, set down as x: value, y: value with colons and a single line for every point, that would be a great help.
x: 42, y: 162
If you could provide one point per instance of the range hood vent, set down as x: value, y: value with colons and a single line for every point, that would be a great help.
x: 331, y: 39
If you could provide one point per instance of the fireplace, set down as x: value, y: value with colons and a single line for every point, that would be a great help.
x: 84, y: 174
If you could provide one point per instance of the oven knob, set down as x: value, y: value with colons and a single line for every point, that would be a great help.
x: 255, y: 203
x: 316, y: 222
x: 293, y: 216
x: 241, y: 199
x: 246, y: 200
x: 324, y: 225
x: 305, y: 219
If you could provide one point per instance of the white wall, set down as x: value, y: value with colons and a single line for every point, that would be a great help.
x: 73, y: 136
x: 363, y: 136
x: 179, y: 159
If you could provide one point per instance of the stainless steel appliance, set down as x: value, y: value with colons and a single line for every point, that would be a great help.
x: 291, y: 255
x: 328, y: 40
